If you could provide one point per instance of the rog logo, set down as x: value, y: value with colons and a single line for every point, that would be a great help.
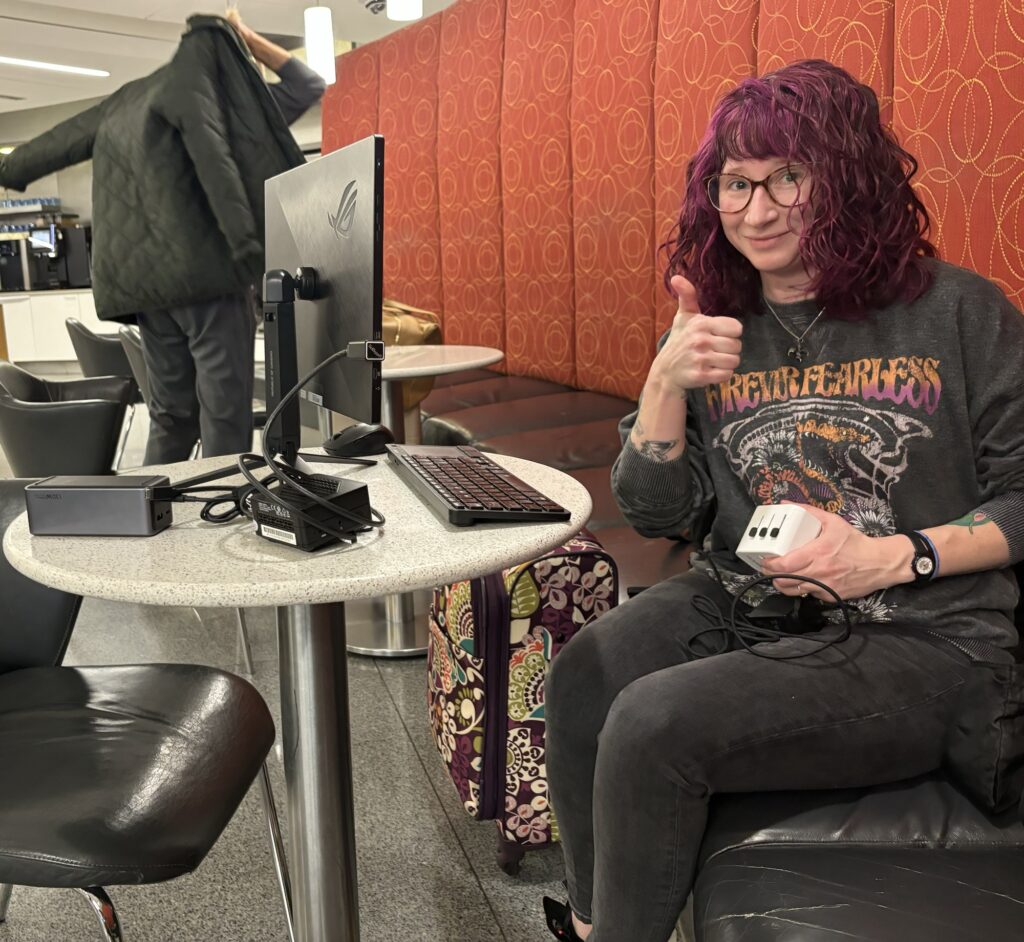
x: 341, y: 221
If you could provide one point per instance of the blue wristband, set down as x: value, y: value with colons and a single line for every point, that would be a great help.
x: 935, y: 552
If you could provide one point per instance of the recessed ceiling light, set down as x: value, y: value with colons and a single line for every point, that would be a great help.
x: 53, y: 67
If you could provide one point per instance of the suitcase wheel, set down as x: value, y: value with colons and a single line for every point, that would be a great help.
x: 510, y: 855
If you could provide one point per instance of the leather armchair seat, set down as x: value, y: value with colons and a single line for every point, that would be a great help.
x: 911, y: 862
x: 70, y: 427
x: 110, y: 775
x: 99, y: 354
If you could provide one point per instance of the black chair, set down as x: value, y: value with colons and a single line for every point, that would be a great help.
x: 914, y: 861
x: 98, y: 354
x: 110, y: 775
x: 71, y: 427
x: 131, y: 344
x: 103, y: 355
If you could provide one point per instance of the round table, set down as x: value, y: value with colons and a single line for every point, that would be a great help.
x: 401, y: 363
x: 195, y: 563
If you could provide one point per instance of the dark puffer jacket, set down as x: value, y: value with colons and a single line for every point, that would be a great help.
x: 179, y: 162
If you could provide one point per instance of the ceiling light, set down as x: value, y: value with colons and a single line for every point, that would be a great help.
x: 404, y: 10
x: 6, y: 150
x: 320, y: 42
x: 53, y: 67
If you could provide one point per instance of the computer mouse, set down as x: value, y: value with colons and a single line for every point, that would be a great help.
x: 358, y: 440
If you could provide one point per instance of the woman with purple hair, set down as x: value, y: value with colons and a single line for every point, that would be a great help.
x: 821, y: 355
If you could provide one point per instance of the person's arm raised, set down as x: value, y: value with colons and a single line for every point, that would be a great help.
x: 700, y: 350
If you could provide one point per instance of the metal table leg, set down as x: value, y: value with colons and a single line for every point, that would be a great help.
x: 397, y: 631
x: 318, y: 772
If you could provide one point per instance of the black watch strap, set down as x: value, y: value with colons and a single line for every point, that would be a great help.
x: 924, y: 565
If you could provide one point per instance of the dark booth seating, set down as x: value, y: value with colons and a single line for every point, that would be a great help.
x: 110, y: 775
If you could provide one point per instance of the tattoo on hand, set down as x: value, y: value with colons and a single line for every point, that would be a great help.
x: 975, y: 518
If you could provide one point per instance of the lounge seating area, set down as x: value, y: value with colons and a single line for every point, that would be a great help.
x: 535, y: 157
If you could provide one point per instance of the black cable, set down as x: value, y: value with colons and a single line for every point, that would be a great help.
x: 287, y: 476
x: 736, y: 625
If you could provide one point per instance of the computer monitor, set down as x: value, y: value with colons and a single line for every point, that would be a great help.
x: 328, y: 216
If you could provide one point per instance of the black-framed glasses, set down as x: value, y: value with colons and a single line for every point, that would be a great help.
x: 732, y: 192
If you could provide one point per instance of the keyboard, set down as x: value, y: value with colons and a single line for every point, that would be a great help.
x: 463, y: 486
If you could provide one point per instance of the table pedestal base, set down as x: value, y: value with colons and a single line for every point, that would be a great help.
x: 394, y: 626
x: 318, y: 772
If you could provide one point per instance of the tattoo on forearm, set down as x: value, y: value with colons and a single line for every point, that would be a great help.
x: 657, y: 451
x: 975, y: 518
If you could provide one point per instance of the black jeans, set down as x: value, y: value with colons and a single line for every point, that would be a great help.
x: 639, y: 737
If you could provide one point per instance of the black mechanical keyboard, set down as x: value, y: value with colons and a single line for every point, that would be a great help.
x: 464, y: 486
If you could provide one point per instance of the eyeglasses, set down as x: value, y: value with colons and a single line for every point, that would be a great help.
x: 732, y: 193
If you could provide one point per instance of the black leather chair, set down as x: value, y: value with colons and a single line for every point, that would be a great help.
x: 915, y: 861
x: 110, y: 775
x: 98, y: 354
x: 71, y: 427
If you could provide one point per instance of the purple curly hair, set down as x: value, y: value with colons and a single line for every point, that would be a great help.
x: 865, y: 230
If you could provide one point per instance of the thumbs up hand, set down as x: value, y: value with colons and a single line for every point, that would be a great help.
x: 700, y: 350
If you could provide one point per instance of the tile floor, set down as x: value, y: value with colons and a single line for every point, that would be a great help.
x: 426, y: 870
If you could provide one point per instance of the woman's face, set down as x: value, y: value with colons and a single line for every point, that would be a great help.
x: 767, y: 234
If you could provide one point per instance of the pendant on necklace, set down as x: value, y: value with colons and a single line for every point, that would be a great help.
x: 797, y: 353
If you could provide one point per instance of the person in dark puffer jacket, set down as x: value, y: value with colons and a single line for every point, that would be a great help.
x: 180, y: 158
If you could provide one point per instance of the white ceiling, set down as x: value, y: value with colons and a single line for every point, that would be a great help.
x: 131, y: 38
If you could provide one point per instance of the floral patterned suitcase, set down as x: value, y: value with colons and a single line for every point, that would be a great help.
x: 491, y: 641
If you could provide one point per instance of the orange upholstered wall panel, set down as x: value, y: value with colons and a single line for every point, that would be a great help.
x: 613, y: 191
x: 959, y: 108
x: 469, y: 173
x: 537, y: 190
x: 350, y: 104
x: 705, y: 47
x: 408, y: 120
x: 854, y: 34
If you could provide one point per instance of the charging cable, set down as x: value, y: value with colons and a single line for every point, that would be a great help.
x: 747, y: 632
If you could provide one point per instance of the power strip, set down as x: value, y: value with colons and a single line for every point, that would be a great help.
x: 774, y: 530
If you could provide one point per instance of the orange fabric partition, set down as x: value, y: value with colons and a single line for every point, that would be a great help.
x: 612, y: 121
x: 350, y: 104
x: 408, y: 120
x: 854, y: 34
x: 959, y: 108
x: 536, y: 151
x: 469, y: 175
x: 537, y: 190
x: 705, y: 48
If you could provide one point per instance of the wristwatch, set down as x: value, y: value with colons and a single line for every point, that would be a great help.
x: 925, y: 564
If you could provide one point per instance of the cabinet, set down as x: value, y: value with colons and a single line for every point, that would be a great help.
x: 36, y: 328
x: 21, y: 343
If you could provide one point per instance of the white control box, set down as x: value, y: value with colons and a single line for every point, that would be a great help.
x: 774, y: 530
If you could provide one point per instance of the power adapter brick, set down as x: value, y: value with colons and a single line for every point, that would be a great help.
x: 127, y: 505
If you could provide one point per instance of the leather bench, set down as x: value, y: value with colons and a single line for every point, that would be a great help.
x: 910, y: 862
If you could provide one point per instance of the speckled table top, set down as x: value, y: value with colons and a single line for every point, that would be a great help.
x: 197, y: 563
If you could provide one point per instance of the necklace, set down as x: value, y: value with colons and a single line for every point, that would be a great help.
x: 798, y: 351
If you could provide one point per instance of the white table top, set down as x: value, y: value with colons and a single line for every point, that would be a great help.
x: 435, y: 359
x: 228, y: 565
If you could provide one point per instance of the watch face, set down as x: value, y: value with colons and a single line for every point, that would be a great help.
x: 923, y: 566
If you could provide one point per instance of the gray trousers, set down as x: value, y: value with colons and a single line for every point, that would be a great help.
x: 639, y: 737
x: 200, y: 363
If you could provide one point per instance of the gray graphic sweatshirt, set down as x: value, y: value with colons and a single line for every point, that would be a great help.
x: 906, y: 420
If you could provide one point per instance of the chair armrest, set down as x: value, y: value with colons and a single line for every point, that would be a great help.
x: 112, y: 388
